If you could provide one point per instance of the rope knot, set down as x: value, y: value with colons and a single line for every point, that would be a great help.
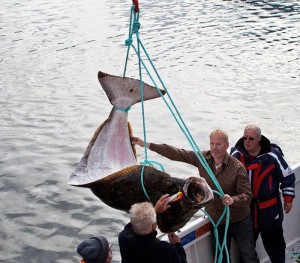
x: 128, y: 42
x: 136, y: 26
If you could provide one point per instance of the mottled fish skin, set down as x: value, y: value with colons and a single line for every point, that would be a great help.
x: 109, y: 166
x: 124, y: 188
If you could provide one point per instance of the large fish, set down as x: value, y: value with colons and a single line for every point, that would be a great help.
x: 109, y: 165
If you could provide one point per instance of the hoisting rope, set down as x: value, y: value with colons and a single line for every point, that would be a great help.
x: 134, y: 27
x: 296, y: 254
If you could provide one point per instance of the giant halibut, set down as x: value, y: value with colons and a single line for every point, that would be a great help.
x: 109, y: 166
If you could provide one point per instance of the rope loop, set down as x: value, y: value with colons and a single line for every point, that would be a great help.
x: 122, y: 109
x: 136, y: 26
x: 152, y: 164
x: 142, y: 183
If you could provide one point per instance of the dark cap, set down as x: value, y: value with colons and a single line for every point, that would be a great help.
x: 94, y: 249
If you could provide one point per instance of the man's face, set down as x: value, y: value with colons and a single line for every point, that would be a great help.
x: 251, y: 140
x: 218, y: 146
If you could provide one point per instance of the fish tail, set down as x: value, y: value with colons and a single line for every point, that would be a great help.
x: 124, y: 92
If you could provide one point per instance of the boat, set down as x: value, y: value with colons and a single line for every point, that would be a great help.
x: 196, y: 235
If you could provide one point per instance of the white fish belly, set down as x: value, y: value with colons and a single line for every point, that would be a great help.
x: 112, y: 150
x: 110, y: 153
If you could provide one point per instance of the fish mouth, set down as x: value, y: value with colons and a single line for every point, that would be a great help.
x: 196, y: 192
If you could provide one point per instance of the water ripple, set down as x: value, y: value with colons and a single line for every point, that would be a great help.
x: 225, y: 63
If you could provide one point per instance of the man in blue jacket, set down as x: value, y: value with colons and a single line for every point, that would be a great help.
x: 268, y: 173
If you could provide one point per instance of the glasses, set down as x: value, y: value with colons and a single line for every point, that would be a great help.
x: 245, y: 138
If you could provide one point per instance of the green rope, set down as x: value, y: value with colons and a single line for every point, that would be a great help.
x: 133, y: 28
x: 128, y: 41
x: 152, y: 164
x: 122, y: 109
x: 224, y: 243
x: 296, y: 255
x: 142, y: 183
x: 176, y: 115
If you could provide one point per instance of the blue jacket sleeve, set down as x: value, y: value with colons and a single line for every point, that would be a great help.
x: 287, y: 176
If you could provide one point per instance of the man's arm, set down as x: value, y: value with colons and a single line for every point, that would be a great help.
x: 175, y: 240
x: 287, y: 179
x: 243, y: 188
x: 161, y: 206
x: 169, y: 151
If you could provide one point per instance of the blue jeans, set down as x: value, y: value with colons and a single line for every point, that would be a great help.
x: 242, y: 232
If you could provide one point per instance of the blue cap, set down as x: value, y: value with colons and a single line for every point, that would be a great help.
x: 94, y: 250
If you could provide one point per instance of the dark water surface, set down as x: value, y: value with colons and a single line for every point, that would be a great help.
x: 225, y: 63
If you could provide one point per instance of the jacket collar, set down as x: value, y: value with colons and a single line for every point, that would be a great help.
x: 209, y: 158
x: 265, y: 145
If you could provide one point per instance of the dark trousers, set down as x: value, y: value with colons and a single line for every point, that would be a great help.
x: 274, y: 244
x: 242, y: 232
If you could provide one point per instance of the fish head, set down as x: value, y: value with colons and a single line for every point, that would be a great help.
x: 196, y: 192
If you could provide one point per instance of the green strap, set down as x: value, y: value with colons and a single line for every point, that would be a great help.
x: 122, y: 109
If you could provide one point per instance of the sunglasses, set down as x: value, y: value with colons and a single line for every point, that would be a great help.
x: 245, y: 138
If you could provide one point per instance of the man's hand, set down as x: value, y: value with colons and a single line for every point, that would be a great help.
x: 161, y: 204
x: 287, y: 206
x: 137, y: 140
x: 173, y: 238
x: 227, y: 200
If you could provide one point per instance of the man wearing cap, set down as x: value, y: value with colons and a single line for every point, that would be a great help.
x: 95, y: 250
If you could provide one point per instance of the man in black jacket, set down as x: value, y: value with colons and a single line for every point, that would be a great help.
x: 138, y: 242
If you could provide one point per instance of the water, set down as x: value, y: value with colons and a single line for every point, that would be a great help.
x: 225, y: 63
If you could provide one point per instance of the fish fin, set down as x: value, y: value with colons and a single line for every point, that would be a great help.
x: 131, y: 135
x: 92, y: 141
x: 124, y: 92
x: 112, y: 178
